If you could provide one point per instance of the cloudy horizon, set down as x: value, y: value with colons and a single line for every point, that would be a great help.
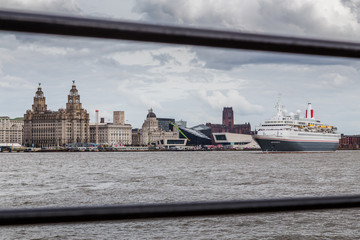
x: 185, y: 82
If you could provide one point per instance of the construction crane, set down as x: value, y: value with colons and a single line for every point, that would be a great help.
x: 179, y: 130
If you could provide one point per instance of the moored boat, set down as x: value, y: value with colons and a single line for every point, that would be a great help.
x: 289, y: 133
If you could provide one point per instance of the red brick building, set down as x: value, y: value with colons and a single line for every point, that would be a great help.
x: 228, y: 124
x: 349, y: 142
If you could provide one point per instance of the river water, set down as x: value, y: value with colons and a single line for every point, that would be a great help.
x: 110, y: 178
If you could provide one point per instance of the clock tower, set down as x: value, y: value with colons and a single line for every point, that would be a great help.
x: 46, y: 128
x: 73, y: 99
x: 39, y: 101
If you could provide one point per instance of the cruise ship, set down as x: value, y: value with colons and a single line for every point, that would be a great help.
x: 292, y: 133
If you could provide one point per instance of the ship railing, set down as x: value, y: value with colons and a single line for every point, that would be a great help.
x: 109, y: 29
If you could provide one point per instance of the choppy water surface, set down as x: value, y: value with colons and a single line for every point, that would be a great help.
x: 73, y: 179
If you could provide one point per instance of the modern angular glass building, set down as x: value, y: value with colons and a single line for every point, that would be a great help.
x: 196, y: 135
x: 164, y: 124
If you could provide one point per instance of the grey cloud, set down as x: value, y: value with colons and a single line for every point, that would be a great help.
x: 154, y: 11
x: 181, y: 12
x: 354, y: 6
x: 54, y: 6
x: 229, y: 59
x: 332, y: 19
x: 165, y: 58
x: 294, y: 18
x: 309, y: 20
x: 106, y: 61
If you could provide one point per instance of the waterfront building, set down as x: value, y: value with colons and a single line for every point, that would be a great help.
x: 235, y: 141
x: 349, y: 142
x: 228, y: 124
x: 202, y: 128
x: 150, y: 131
x: 174, y: 144
x: 181, y: 123
x: 46, y: 128
x: 11, y: 130
x: 112, y: 134
x: 165, y: 124
x: 136, y: 137
x: 119, y: 117
x: 197, y: 135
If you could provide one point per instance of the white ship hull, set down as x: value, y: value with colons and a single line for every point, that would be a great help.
x: 297, y: 141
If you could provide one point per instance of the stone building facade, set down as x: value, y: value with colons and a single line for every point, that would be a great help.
x: 46, y: 128
x: 11, y: 130
x: 113, y: 134
x: 119, y: 117
x: 136, y: 137
x: 150, y: 131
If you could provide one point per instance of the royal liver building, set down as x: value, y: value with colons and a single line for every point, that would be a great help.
x: 46, y: 128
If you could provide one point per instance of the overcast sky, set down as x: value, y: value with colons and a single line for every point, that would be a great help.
x: 183, y: 82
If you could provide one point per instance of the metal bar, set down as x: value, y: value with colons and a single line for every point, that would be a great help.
x: 171, y: 210
x: 90, y: 27
x: 86, y: 27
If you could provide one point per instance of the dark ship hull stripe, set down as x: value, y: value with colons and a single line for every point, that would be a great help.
x: 275, y: 145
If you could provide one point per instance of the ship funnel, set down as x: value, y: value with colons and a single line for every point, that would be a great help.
x: 309, y: 112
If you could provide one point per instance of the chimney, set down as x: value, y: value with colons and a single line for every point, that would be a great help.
x: 96, y: 126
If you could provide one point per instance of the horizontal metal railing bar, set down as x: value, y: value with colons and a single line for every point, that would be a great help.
x: 109, y: 29
x: 171, y: 210
x: 89, y: 27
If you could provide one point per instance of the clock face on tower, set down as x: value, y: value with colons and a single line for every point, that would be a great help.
x: 70, y: 101
x: 77, y: 100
